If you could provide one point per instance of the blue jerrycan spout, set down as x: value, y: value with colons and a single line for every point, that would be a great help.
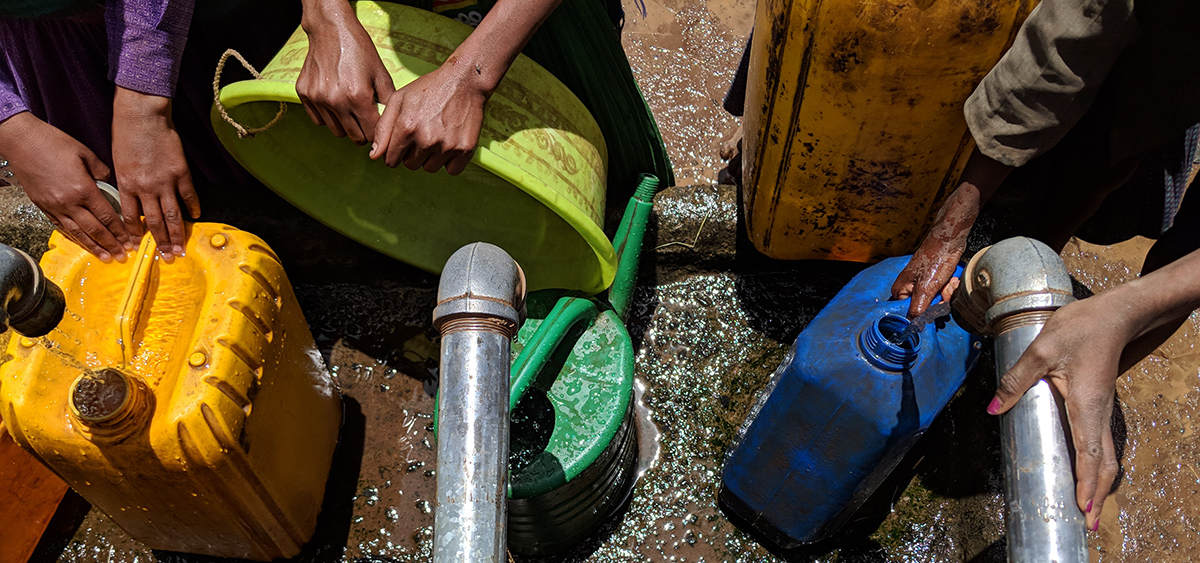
x: 854, y: 394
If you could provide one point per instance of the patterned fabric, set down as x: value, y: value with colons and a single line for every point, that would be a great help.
x: 147, y: 38
x: 1176, y: 164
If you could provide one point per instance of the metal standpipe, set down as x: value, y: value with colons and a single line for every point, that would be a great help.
x: 29, y: 303
x: 1010, y: 289
x: 480, y: 299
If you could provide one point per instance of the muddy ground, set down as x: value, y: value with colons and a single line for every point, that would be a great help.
x: 711, y: 321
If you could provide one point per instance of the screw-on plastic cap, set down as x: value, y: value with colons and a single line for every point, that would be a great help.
x: 881, y: 351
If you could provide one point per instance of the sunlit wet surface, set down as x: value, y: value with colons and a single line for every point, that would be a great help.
x: 706, y: 343
x: 1154, y: 514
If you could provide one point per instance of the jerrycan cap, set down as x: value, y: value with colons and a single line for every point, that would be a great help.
x: 108, y: 400
x: 880, y: 346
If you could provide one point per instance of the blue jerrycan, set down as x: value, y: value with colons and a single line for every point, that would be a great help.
x: 841, y: 411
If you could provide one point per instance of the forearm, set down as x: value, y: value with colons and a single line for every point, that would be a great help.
x: 1158, y: 298
x: 335, y: 16
x: 978, y: 182
x: 490, y: 50
x: 131, y: 104
x: 15, y: 132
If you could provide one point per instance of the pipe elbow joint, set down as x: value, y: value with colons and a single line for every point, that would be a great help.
x: 1016, y: 275
x: 29, y: 303
x: 481, y: 288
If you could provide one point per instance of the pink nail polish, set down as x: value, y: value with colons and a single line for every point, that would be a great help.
x: 994, y: 406
x: 1096, y: 526
x: 1089, y: 507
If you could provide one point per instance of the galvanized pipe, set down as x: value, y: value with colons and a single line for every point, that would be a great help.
x: 480, y: 297
x: 1010, y: 290
x: 29, y: 303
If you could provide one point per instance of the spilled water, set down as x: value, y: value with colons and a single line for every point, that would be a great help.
x: 705, y: 38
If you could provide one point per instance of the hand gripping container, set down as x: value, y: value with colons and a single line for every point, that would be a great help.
x: 185, y: 400
x: 535, y: 186
x: 841, y: 411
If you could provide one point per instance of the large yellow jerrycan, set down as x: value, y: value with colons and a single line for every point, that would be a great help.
x: 854, y: 125
x: 185, y: 400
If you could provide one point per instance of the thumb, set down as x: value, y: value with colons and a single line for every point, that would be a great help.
x: 95, y: 167
x: 384, y: 87
x: 1028, y: 370
x: 922, y: 296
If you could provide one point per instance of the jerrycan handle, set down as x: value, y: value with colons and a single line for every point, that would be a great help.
x: 567, y: 312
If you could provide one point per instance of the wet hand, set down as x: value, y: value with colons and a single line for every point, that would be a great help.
x: 152, y: 173
x: 59, y: 175
x: 1078, y: 352
x: 433, y: 122
x: 343, y: 77
x: 931, y: 269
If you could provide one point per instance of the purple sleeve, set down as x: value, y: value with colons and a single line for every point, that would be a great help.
x: 10, y: 98
x: 145, y: 43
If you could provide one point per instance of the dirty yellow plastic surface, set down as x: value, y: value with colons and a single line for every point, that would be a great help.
x: 224, y: 442
x: 854, y: 125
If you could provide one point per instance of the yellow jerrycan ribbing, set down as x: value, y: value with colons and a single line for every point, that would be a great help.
x: 853, y: 119
x: 186, y: 400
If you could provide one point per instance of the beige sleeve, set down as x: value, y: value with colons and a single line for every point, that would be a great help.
x: 1049, y: 77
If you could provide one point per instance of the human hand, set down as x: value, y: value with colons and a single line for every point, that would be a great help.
x: 433, y: 122
x: 152, y: 173
x: 59, y: 175
x: 1078, y: 352
x: 343, y: 77
x: 932, y: 266
x: 931, y: 269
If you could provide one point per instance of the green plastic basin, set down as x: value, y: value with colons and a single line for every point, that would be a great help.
x: 535, y: 188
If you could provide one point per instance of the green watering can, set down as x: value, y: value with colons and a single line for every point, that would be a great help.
x: 573, y: 441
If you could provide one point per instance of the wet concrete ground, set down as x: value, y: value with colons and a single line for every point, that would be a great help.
x: 710, y: 323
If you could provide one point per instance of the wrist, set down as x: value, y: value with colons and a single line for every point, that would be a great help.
x: 16, y: 131
x: 324, y: 15
x: 1131, y: 312
x: 479, y: 75
x: 131, y: 105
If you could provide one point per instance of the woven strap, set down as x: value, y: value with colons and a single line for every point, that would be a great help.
x: 243, y: 132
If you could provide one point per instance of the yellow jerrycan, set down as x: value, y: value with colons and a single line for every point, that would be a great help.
x: 853, y: 119
x: 186, y: 400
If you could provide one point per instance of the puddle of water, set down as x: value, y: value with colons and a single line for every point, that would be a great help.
x: 1152, y: 516
x: 683, y: 53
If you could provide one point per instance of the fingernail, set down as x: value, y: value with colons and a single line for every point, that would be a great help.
x: 372, y: 148
x: 178, y: 250
x: 1096, y: 526
x: 129, y: 246
x: 994, y: 407
x: 121, y: 257
x: 1089, y: 507
x: 105, y: 257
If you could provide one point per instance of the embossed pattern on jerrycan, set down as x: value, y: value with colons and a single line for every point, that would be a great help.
x: 185, y: 400
x: 841, y: 411
x: 854, y: 119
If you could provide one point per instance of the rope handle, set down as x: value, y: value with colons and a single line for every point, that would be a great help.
x: 242, y: 132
